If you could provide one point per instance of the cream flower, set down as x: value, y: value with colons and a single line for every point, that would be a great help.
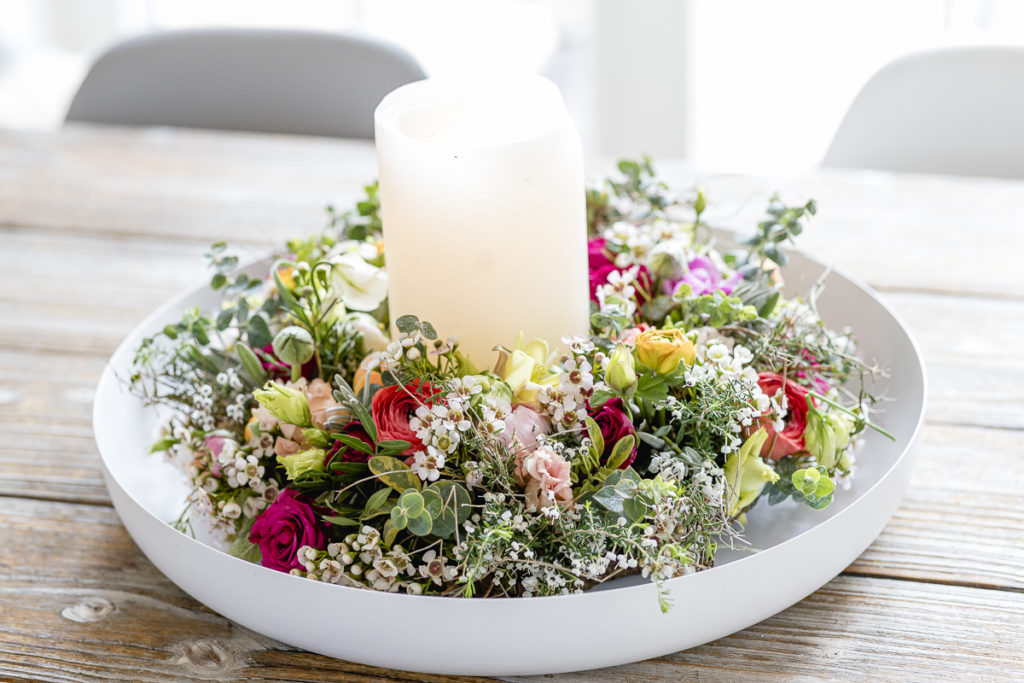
x: 360, y: 286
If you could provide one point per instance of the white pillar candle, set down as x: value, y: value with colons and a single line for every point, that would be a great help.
x: 484, y: 212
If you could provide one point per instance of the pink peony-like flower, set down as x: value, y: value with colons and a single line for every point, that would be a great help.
x: 791, y: 439
x: 394, y: 406
x: 614, y: 424
x: 284, y: 527
x: 545, y: 474
x: 522, y: 427
x: 704, y: 277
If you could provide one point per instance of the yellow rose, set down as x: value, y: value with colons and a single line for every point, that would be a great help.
x: 661, y: 350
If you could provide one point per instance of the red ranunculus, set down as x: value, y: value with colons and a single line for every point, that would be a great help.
x: 349, y: 454
x: 791, y: 439
x: 284, y: 527
x: 394, y: 406
x: 614, y: 424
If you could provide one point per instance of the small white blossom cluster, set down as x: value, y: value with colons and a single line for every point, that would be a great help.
x: 641, y: 240
x: 619, y: 291
x: 566, y: 404
x: 361, y: 560
x: 441, y: 427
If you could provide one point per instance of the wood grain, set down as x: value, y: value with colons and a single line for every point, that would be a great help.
x: 98, y: 226
x: 188, y: 185
x: 76, y: 599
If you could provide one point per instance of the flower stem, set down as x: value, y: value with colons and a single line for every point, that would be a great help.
x: 859, y: 418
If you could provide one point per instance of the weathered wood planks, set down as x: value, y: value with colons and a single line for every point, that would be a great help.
x: 98, y: 226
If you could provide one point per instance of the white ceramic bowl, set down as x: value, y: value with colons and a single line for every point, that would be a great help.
x: 799, y: 549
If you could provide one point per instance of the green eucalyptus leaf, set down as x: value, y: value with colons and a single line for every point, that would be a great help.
x: 421, y: 525
x: 412, y: 502
x: 399, y: 518
x: 259, y: 332
x: 407, y: 323
x: 609, y: 498
x: 634, y: 508
x: 449, y: 505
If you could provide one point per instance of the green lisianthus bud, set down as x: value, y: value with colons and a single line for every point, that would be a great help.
x: 286, y: 404
x: 746, y: 473
x: 294, y: 345
x: 827, y: 436
x: 621, y: 370
x: 301, y: 462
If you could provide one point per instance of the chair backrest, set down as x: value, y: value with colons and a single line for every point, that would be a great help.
x: 274, y: 81
x: 955, y: 110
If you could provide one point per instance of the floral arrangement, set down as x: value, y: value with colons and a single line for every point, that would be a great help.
x: 320, y: 447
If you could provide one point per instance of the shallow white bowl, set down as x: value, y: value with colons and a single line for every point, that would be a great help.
x: 799, y: 549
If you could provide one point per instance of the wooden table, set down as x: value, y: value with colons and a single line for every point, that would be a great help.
x: 98, y: 226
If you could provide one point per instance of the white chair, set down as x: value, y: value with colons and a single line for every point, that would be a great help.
x: 273, y: 81
x: 955, y: 110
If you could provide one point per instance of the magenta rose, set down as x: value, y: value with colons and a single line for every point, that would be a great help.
x: 393, y: 407
x: 614, y: 424
x: 284, y: 527
x: 349, y: 454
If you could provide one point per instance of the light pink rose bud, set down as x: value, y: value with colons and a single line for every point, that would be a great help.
x: 522, y: 427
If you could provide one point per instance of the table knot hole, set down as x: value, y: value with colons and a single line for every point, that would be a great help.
x: 88, y: 610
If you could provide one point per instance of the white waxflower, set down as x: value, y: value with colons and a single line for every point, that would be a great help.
x: 717, y: 353
x: 427, y: 466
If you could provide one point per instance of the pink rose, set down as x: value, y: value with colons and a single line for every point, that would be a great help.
x: 545, y: 474
x: 284, y: 527
x: 522, y: 427
x: 614, y: 424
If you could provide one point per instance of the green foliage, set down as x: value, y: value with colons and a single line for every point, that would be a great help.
x: 394, y: 473
x: 715, y: 309
x: 809, y: 485
x: 646, y: 195
x: 782, y: 224
x: 410, y: 512
x: 242, y: 548
x: 449, y: 505
x: 364, y: 222
x: 621, y: 494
